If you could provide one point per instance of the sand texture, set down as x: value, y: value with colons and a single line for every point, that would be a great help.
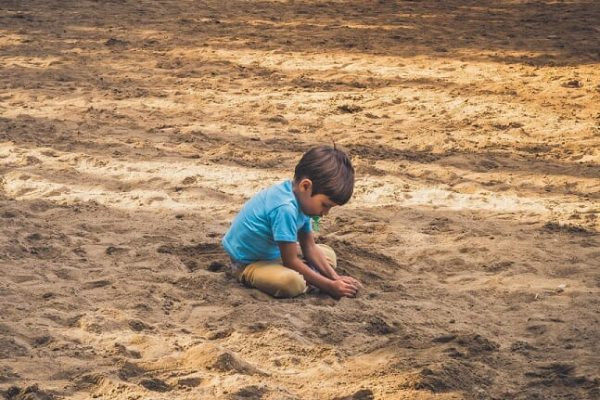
x: 131, y: 132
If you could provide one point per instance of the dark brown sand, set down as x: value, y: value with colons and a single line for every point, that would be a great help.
x: 132, y: 131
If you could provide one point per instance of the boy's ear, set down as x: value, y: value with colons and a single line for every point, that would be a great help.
x: 305, y: 185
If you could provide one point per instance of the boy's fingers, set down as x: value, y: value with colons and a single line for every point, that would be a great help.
x: 352, y: 280
x: 349, y: 286
x: 349, y: 279
x: 352, y: 285
x: 355, y: 283
x: 350, y: 289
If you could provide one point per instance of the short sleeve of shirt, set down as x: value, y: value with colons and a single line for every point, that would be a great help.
x: 307, y: 227
x: 284, y: 224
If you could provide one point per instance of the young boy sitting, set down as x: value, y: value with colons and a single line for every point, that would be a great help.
x: 263, y: 238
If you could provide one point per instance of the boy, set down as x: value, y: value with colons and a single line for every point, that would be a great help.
x: 263, y: 238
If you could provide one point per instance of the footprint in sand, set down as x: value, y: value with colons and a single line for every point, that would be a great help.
x: 30, y: 392
x: 521, y: 347
x: 9, y: 349
x: 362, y: 394
x: 378, y: 326
x: 228, y: 362
x: 252, y: 392
x: 41, y: 341
x: 139, y: 326
x: 155, y: 385
x: 124, y: 351
x: 193, y: 256
x: 189, y: 382
x: 113, y: 250
x: 477, y: 344
x: 451, y: 376
x: 560, y: 375
x: 129, y: 371
x: 97, y: 284
x: 537, y: 329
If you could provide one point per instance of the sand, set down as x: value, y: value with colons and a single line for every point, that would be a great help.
x: 131, y: 132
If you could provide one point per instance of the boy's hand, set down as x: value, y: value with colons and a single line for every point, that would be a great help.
x: 345, y: 286
x: 351, y: 280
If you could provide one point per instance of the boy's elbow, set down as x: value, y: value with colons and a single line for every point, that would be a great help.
x: 292, y: 263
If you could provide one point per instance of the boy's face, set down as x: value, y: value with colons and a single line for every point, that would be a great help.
x: 313, y: 206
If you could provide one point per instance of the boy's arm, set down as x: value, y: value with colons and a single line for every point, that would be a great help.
x: 337, y: 288
x: 314, y: 255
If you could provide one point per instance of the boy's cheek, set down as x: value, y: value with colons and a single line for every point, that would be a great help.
x: 308, y: 209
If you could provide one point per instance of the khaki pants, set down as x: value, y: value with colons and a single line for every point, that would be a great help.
x: 274, y: 278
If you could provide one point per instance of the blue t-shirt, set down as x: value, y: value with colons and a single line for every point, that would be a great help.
x: 272, y: 216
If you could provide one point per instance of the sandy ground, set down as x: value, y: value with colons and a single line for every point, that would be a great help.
x: 132, y: 131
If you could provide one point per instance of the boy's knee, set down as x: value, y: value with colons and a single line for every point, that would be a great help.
x: 291, y: 284
x: 329, y: 254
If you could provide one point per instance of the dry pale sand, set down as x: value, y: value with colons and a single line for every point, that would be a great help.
x: 132, y: 131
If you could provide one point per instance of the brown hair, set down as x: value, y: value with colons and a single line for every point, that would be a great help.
x: 330, y: 171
